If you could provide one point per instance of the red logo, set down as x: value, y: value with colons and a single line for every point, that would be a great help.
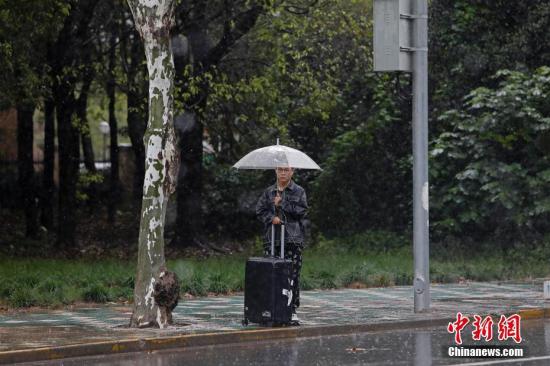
x: 457, y: 326
x: 483, y: 328
x: 508, y: 327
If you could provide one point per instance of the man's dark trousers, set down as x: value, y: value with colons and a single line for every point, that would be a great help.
x: 293, y: 252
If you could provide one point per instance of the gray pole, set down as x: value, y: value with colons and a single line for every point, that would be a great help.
x: 420, y: 157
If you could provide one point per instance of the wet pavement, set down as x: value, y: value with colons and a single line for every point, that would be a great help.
x: 418, y: 347
x: 217, y: 314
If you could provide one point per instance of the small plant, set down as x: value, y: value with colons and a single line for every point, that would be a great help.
x: 29, y: 280
x: 87, y: 180
x: 6, y: 288
x: 194, y: 285
x: 217, y: 284
x: 403, y: 279
x: 23, y: 297
x: 50, y: 285
x: 308, y: 283
x: 96, y: 293
x: 356, y: 274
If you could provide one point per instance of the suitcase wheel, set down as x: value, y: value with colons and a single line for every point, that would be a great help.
x: 245, y: 322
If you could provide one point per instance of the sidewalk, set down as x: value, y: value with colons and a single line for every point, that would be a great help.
x: 326, y: 311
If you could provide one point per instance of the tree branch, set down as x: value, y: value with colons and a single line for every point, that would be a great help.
x: 300, y: 10
x: 243, y: 22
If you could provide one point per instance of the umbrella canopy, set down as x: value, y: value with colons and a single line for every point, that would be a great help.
x: 271, y: 157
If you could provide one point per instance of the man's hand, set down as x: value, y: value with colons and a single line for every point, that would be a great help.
x: 277, y: 199
x: 276, y: 221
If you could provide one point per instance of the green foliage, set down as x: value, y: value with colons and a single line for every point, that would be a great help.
x: 305, y: 81
x: 86, y: 181
x: 38, y: 282
x: 231, y: 203
x: 331, y: 264
x: 194, y: 285
x: 373, y: 241
x: 490, y: 170
x: 96, y: 292
x: 26, y: 29
x: 214, y: 275
x: 23, y: 297
x: 356, y: 274
x: 217, y: 284
x: 362, y: 185
x: 471, y: 40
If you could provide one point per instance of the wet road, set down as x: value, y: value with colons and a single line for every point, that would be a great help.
x: 419, y: 347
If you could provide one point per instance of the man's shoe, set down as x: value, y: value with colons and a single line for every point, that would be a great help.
x: 295, y: 320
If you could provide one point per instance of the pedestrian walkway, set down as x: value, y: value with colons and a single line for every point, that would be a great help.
x: 217, y: 314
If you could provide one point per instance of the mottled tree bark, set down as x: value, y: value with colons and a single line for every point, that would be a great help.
x: 25, y: 167
x: 153, y: 19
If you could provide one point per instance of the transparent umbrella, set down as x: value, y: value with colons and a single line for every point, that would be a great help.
x: 271, y: 157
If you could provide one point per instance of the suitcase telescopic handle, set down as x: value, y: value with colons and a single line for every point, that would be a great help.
x: 282, y: 241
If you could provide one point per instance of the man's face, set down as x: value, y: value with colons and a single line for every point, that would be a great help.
x: 284, y: 174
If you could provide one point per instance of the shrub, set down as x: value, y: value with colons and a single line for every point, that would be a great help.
x: 369, y: 241
x: 96, y: 293
x: 361, y: 186
x: 358, y: 273
x: 195, y: 285
x: 491, y: 163
x: 23, y: 297
x: 217, y: 284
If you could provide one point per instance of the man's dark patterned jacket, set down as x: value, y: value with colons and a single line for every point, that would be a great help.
x: 293, y: 210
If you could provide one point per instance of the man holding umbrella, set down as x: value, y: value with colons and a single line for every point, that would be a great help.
x: 285, y: 203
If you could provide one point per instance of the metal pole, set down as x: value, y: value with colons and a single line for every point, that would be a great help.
x: 423, y: 348
x: 420, y: 157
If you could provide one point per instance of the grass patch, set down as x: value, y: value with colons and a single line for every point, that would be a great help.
x: 46, y: 282
x: 358, y: 261
x: 96, y: 293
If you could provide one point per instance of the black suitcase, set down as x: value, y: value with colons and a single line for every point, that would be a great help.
x: 268, y: 287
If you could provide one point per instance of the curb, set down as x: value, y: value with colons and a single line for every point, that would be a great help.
x: 219, y: 338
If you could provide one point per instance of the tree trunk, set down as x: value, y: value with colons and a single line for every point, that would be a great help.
x: 189, y: 221
x: 69, y: 156
x: 81, y: 112
x: 25, y: 167
x: 189, y: 188
x: 88, y: 152
x: 137, y: 107
x: 153, y: 19
x: 113, y: 130
x: 190, y: 130
x: 48, y: 188
x: 70, y: 52
x: 136, y: 130
x: 86, y: 138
